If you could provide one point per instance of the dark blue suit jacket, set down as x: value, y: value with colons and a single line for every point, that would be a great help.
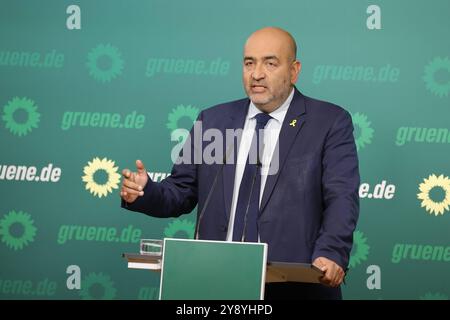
x: 309, y: 208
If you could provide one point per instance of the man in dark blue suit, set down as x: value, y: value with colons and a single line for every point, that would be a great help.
x: 303, y: 201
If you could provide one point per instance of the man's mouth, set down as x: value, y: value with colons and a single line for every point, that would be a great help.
x: 257, y: 88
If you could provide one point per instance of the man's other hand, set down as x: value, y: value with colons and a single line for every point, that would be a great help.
x: 334, y: 275
x: 133, y: 183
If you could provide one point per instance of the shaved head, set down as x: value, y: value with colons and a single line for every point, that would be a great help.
x: 270, y: 68
x: 280, y: 34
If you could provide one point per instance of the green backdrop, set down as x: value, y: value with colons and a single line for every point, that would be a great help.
x: 87, y: 87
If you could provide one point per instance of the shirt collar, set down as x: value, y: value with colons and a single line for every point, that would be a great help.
x: 278, y: 114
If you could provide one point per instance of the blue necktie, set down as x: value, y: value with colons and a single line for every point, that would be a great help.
x: 247, y: 208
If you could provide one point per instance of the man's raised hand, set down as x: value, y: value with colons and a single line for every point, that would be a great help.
x: 133, y: 183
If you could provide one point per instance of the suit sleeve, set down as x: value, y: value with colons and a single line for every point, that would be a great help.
x: 176, y: 194
x: 340, y: 184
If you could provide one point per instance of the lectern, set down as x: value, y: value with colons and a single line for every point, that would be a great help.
x: 217, y: 270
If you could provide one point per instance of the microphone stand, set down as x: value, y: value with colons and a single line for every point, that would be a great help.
x: 208, y: 198
x: 258, y: 168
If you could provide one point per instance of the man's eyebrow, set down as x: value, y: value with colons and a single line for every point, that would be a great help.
x: 264, y: 58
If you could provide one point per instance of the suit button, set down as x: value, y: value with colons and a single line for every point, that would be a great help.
x: 223, y: 228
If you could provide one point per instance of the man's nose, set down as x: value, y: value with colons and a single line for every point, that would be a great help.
x: 258, y: 73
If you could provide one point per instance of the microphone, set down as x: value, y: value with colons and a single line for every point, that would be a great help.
x: 208, y: 198
x: 257, y: 171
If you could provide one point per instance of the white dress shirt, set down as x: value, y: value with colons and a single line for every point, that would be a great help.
x: 271, y: 134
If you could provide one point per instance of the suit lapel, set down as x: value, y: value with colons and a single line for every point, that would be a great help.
x: 292, y: 124
x: 236, y: 121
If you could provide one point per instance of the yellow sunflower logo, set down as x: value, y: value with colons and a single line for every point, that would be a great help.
x: 434, y: 183
x: 93, y: 173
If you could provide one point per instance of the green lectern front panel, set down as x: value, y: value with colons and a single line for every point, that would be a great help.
x: 212, y: 270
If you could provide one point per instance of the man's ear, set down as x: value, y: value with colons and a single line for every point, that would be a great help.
x: 296, y: 67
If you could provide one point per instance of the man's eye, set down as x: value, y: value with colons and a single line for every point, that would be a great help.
x: 248, y: 63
